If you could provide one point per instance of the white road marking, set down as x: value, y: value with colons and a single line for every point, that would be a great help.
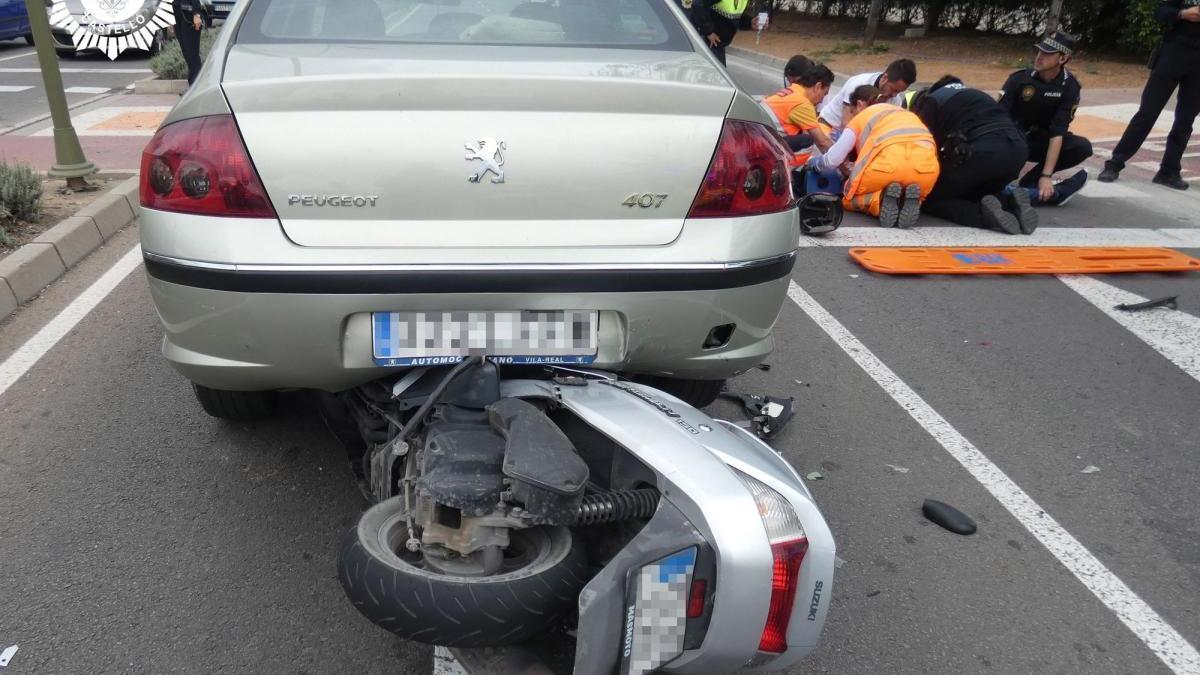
x: 1174, y: 334
x: 970, y: 236
x: 12, y: 89
x: 1097, y: 190
x: 44, y: 340
x: 34, y: 120
x: 444, y: 663
x: 19, y: 56
x: 79, y: 70
x: 1166, y: 642
x: 1124, y: 112
x: 87, y: 90
x: 1115, y: 139
x: 84, y: 122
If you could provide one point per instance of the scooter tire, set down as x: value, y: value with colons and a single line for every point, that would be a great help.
x: 451, y: 611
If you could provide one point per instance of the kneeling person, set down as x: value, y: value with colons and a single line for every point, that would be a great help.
x: 1042, y: 101
x: 981, y: 152
x: 796, y: 106
x: 896, y: 165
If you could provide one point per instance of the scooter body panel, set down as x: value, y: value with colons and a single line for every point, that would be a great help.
x: 695, y: 458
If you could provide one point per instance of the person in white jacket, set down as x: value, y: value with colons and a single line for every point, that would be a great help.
x: 892, y: 82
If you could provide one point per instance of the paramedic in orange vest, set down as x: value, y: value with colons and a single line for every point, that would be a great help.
x: 796, y: 106
x: 896, y: 165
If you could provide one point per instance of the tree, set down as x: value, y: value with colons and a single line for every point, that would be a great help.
x: 1055, y: 17
x: 873, y: 23
x: 933, y: 14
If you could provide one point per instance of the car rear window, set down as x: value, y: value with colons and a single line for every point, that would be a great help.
x: 597, y: 23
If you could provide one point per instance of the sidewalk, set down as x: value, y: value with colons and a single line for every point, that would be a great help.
x: 112, y: 131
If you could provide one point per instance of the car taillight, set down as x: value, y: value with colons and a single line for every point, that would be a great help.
x: 748, y: 174
x: 788, y: 546
x: 201, y: 166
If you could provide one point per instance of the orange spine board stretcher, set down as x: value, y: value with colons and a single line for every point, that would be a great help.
x: 1022, y: 260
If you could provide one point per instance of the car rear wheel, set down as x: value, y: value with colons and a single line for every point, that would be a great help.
x: 235, y: 405
x: 696, y: 393
x: 29, y: 38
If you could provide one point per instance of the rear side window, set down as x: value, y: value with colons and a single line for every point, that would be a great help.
x: 563, y: 23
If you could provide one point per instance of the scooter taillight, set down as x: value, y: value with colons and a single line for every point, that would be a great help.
x: 788, y: 546
x: 785, y: 578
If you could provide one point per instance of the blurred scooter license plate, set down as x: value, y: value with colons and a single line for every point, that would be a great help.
x: 524, y: 336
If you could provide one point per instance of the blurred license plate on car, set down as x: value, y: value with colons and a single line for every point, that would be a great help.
x: 527, y: 336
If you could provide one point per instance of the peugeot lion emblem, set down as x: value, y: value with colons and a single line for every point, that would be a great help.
x: 490, y: 154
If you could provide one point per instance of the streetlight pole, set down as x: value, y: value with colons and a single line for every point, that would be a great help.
x: 70, y: 162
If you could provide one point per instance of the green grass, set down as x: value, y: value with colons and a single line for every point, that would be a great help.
x: 852, y: 48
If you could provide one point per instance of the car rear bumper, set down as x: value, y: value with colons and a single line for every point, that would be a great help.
x: 256, y: 327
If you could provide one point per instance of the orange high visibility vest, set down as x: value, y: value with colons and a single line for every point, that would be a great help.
x: 880, y: 127
x: 783, y: 102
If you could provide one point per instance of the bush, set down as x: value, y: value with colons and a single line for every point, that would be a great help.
x: 1140, y: 32
x: 20, y: 196
x: 169, y: 64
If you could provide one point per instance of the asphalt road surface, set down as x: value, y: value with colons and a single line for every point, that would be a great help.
x: 85, y: 77
x: 141, y: 536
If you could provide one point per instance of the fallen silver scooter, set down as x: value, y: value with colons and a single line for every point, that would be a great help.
x: 666, y: 540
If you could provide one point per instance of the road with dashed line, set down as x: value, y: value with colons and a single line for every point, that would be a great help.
x: 85, y: 77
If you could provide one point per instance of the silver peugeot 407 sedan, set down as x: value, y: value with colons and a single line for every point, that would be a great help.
x: 353, y: 187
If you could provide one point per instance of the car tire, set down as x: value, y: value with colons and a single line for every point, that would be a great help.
x: 29, y: 39
x: 419, y: 604
x: 696, y: 393
x: 235, y: 405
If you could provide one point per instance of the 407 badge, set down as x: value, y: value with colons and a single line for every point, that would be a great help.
x: 112, y: 26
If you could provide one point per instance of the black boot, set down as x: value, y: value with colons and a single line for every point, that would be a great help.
x: 1110, y: 173
x: 1171, y: 180
x: 1019, y: 206
x: 996, y: 218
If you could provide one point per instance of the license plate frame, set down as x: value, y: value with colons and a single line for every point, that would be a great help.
x: 428, y: 338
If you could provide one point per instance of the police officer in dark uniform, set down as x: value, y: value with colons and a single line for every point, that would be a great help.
x: 1176, y: 63
x: 1042, y: 101
x: 981, y: 151
x: 189, y: 19
x: 699, y: 14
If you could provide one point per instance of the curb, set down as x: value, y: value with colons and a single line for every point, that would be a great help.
x: 153, y: 85
x: 766, y: 60
x: 757, y: 57
x: 34, y: 266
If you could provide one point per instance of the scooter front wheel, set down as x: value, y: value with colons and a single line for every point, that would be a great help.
x: 543, y: 571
